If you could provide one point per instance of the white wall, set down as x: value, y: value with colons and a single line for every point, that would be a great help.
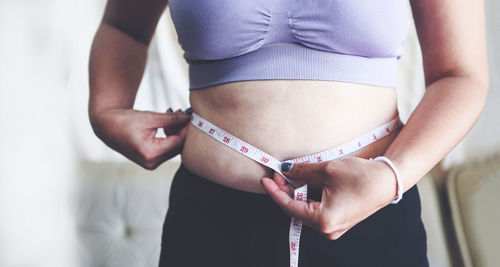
x: 44, y: 129
x: 36, y: 155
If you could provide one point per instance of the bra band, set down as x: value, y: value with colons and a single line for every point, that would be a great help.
x: 293, y: 61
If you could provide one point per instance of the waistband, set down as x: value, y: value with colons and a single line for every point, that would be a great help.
x: 293, y: 61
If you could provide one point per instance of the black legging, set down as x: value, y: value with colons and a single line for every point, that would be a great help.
x: 208, y: 224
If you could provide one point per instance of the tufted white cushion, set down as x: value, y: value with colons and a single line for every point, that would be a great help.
x: 120, y: 211
x: 474, y: 195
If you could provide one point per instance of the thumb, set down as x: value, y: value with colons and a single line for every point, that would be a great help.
x: 309, y: 212
x: 305, y: 172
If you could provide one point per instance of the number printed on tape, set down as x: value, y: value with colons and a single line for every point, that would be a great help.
x: 269, y: 161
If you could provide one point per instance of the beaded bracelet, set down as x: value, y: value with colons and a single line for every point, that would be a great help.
x: 399, y: 184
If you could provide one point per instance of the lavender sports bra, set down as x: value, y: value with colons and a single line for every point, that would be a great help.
x: 356, y: 41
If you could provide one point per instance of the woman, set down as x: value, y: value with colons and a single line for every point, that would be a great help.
x: 292, y: 78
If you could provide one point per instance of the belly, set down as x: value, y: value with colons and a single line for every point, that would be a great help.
x: 285, y: 118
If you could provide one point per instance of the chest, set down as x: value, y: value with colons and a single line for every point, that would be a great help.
x: 217, y: 29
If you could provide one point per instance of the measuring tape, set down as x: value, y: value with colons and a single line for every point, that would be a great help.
x: 269, y: 161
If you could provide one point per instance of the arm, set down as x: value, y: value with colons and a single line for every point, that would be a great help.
x: 119, y: 52
x: 453, y: 40
x: 452, y: 37
x: 117, y: 62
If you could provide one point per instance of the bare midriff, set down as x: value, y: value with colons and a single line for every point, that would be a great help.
x: 285, y: 118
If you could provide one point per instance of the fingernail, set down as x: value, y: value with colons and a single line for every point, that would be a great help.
x: 170, y: 109
x: 188, y: 111
x: 286, y: 166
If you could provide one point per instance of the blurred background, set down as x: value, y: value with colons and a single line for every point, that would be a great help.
x: 68, y: 200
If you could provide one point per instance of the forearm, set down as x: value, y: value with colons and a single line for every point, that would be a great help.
x: 445, y: 114
x: 116, y: 66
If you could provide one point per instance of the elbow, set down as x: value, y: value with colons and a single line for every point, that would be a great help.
x: 476, y: 81
x: 481, y: 83
x: 480, y: 79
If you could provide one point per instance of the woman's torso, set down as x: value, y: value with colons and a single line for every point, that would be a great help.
x: 285, y: 118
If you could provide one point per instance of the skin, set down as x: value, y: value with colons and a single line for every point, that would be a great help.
x: 453, y: 40
x: 297, y: 117
x: 117, y: 63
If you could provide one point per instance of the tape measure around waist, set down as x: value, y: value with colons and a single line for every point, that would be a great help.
x: 269, y: 161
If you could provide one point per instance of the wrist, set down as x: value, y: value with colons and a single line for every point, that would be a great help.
x: 387, y: 184
x: 399, y: 185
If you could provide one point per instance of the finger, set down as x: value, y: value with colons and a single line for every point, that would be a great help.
x: 188, y: 111
x: 156, y: 120
x: 282, y: 183
x: 338, y: 233
x: 155, y: 146
x: 170, y: 154
x: 306, y: 172
x: 174, y: 141
x: 173, y: 129
x: 153, y: 152
x: 173, y: 150
x: 183, y: 132
x: 159, y: 145
x: 335, y: 235
x: 307, y: 211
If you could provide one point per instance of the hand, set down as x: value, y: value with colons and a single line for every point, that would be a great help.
x: 352, y: 189
x: 132, y: 133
